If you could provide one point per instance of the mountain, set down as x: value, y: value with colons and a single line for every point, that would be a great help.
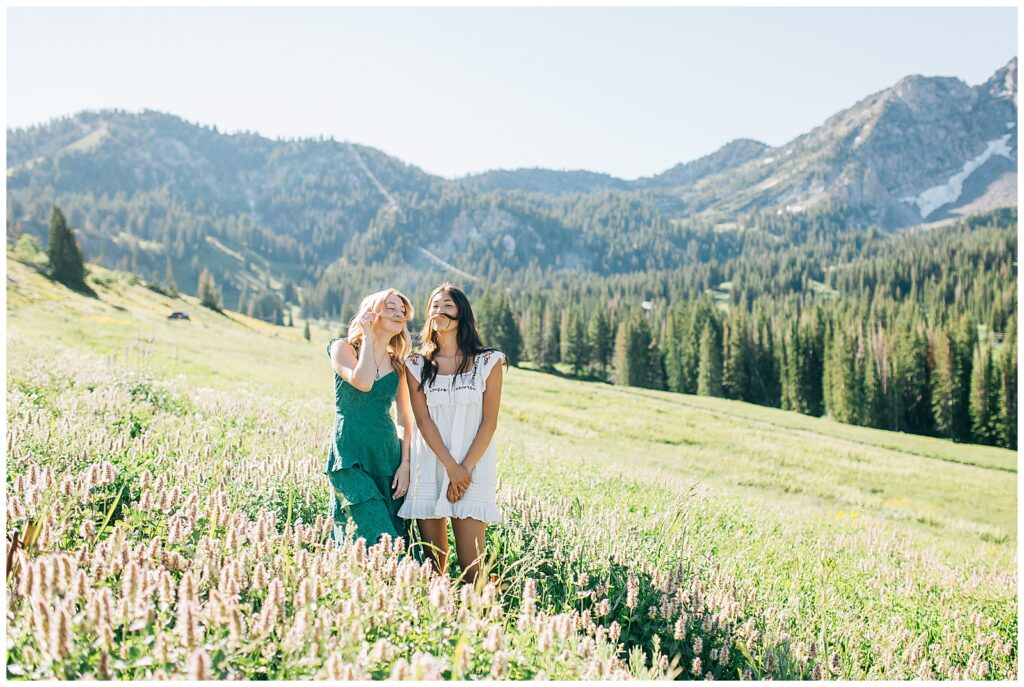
x: 149, y: 185
x: 165, y: 197
x: 538, y: 180
x: 553, y: 182
x: 726, y: 158
x: 927, y: 148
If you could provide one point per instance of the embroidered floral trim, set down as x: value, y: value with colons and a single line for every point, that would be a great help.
x: 456, y: 378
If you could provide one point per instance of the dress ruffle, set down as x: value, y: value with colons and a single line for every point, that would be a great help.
x: 429, y: 510
x: 417, y: 510
x: 485, y: 512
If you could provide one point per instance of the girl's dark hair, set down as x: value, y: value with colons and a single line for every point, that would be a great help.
x: 467, y: 337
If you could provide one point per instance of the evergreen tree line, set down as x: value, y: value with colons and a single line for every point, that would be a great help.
x: 896, y: 371
x: 918, y: 338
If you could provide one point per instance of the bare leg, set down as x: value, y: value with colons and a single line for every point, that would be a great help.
x: 434, y: 533
x: 469, y: 545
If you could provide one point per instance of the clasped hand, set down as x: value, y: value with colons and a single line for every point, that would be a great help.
x: 460, y: 478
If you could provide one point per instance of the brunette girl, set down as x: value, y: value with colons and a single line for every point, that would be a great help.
x: 455, y: 389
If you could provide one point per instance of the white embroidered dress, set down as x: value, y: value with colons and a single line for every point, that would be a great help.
x: 456, y: 407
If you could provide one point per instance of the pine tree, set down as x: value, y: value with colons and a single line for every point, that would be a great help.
x: 172, y: 286
x: 734, y: 368
x: 305, y: 331
x: 911, y: 378
x: 602, y: 342
x: 787, y: 382
x: 565, y: 328
x: 944, y: 380
x: 983, y: 412
x: 644, y: 362
x: 65, y: 256
x: 828, y: 379
x: 843, y: 385
x: 921, y: 417
x: 1006, y: 377
x: 800, y: 363
x: 509, y: 341
x: 551, y: 339
x: 485, y: 319
x: 55, y: 245
x: 655, y: 367
x: 671, y: 344
x: 623, y: 355
x: 689, y: 358
x: 209, y: 294
x: 577, y: 351
x: 965, y: 339
x: 812, y: 339
x: 872, y: 394
x: 764, y: 375
x: 709, y: 373
x: 534, y: 326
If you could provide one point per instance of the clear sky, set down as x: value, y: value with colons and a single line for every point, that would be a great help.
x: 627, y: 91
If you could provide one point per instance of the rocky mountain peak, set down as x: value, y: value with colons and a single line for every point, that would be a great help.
x: 928, y: 94
x: 1003, y: 84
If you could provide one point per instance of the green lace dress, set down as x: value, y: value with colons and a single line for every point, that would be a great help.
x: 362, y: 460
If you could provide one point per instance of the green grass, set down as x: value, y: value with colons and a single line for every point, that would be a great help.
x: 825, y: 549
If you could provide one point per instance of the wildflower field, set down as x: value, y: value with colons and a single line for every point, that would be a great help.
x: 164, y: 490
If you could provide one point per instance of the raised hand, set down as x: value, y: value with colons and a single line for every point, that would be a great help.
x: 368, y: 320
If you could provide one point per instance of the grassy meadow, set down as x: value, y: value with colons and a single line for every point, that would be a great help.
x: 167, y: 478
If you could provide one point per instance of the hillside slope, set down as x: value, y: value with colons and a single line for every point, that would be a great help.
x: 774, y: 545
x: 736, y: 447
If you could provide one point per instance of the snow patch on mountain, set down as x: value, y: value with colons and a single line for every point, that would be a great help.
x: 935, y: 197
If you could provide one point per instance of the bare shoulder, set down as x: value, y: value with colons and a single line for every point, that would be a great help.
x: 342, y: 346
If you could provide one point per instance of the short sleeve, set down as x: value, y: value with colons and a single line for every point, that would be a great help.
x: 488, y: 359
x: 414, y: 363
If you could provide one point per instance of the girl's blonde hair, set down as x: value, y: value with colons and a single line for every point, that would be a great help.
x: 400, y: 344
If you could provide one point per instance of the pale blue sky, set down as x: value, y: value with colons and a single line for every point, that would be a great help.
x: 626, y: 91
